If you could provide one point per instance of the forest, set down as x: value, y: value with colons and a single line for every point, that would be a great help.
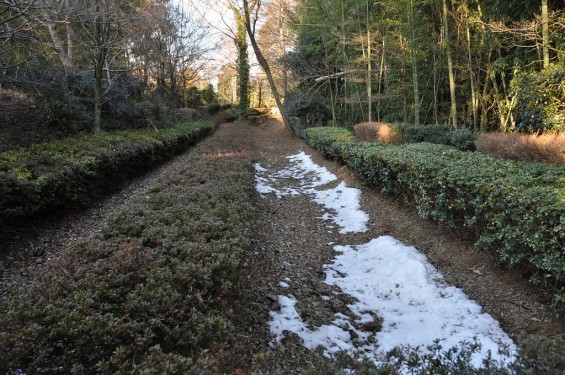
x: 487, y: 66
x: 72, y: 66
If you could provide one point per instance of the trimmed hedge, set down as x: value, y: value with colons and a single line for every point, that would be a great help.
x: 441, y: 134
x: 76, y: 169
x: 151, y: 293
x: 516, y: 209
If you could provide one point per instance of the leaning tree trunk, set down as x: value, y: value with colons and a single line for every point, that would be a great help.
x: 265, y: 65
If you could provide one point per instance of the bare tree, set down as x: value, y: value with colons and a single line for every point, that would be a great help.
x: 250, y: 10
x: 13, y: 19
x: 167, y: 41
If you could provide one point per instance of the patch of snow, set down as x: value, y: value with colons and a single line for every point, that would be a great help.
x: 332, y: 337
x: 283, y: 284
x: 397, y: 283
x: 326, y: 298
x: 345, y: 201
x: 342, y: 201
x: 417, y: 306
x: 259, y: 168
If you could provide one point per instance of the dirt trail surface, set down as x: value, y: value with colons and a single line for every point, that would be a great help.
x: 292, y: 244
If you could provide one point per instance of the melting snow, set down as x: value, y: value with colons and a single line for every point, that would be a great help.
x: 341, y: 201
x: 409, y: 294
x: 386, y: 277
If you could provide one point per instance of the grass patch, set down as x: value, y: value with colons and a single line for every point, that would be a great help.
x: 151, y: 293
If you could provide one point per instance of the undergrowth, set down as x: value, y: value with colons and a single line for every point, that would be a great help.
x: 442, y: 134
x: 547, y: 148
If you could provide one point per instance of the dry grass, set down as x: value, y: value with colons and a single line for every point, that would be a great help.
x: 374, y: 132
x: 549, y: 148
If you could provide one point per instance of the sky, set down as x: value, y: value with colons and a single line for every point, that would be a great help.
x: 221, y: 23
x: 384, y: 276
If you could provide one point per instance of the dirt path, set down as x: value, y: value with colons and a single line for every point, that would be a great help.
x: 292, y: 245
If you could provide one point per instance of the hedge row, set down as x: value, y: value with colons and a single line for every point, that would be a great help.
x: 441, y: 134
x: 516, y: 209
x: 74, y: 170
x: 150, y: 294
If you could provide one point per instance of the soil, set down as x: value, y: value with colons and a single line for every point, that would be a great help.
x: 291, y: 243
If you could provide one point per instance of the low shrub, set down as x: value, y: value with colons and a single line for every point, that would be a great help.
x: 547, y: 148
x: 76, y: 169
x: 380, y: 132
x: 441, y: 134
x: 330, y: 141
x: 515, y: 209
x: 151, y: 292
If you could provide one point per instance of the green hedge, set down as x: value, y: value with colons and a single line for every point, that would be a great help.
x: 297, y: 128
x: 76, y: 169
x: 442, y: 134
x: 151, y: 293
x: 516, y: 209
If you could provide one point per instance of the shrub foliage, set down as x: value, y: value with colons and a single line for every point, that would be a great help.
x: 150, y: 293
x: 74, y: 170
x: 381, y: 132
x: 516, y: 209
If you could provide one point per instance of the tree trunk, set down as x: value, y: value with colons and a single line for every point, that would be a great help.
x: 450, y: 68
x: 369, y: 68
x: 243, y: 63
x: 545, y: 33
x: 98, y: 93
x: 332, y: 96
x: 58, y: 45
x: 474, y: 101
x: 101, y: 34
x: 381, y: 74
x: 436, y: 87
x: 265, y: 65
x: 414, y: 67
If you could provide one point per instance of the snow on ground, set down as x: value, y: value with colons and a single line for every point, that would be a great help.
x: 386, y: 277
x: 341, y: 203
x: 411, y: 297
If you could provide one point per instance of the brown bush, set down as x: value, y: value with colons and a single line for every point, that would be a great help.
x: 549, y: 148
x: 381, y: 132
